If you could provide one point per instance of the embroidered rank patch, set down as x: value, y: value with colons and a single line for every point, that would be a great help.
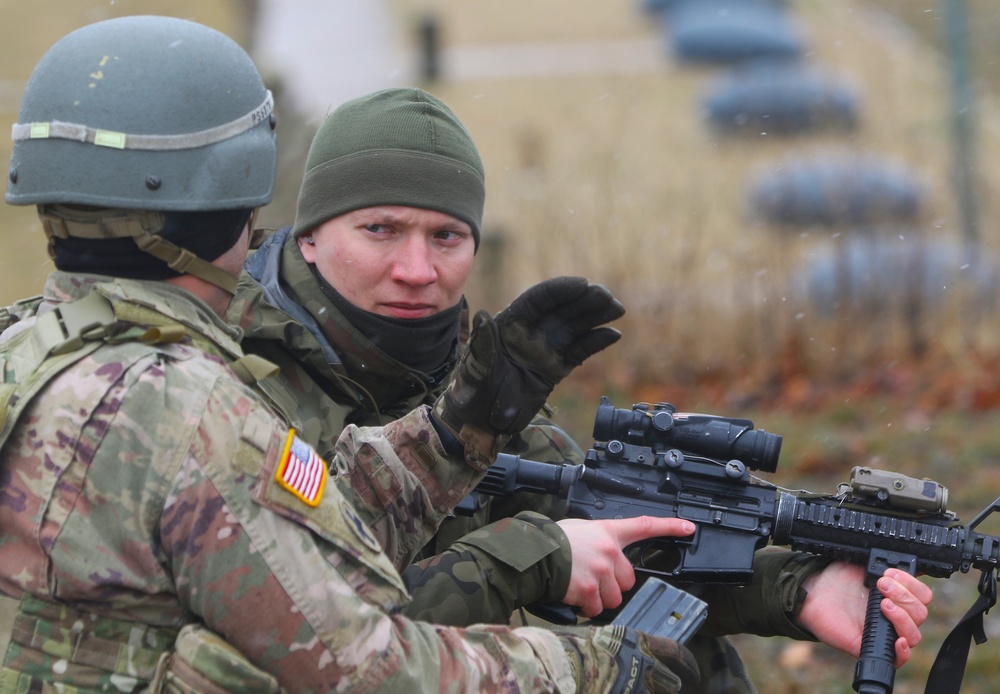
x: 301, y: 471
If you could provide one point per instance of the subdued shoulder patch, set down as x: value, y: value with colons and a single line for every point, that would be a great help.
x: 301, y: 471
x: 359, y: 527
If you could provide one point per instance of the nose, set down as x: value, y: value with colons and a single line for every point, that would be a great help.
x: 413, y: 263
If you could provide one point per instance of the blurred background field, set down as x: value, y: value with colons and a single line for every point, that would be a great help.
x: 826, y: 279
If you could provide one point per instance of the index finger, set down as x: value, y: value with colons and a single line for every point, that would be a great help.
x: 629, y: 530
x: 920, y: 590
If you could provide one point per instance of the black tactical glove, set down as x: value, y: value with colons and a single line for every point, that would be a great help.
x: 514, y: 361
x: 617, y: 658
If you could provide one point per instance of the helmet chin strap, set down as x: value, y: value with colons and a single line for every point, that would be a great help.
x: 61, y: 221
x: 185, y: 262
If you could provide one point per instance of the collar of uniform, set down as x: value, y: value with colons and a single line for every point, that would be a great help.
x: 173, y: 303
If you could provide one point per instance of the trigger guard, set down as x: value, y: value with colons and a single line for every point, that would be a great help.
x: 658, y: 556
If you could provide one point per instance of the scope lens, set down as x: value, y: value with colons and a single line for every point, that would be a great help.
x: 758, y: 449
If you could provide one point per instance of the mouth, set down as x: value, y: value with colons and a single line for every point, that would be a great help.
x: 408, y: 310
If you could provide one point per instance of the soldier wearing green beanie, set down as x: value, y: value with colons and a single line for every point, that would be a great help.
x: 388, y: 221
x: 360, y: 304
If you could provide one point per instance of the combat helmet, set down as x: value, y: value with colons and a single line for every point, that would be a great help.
x: 149, y: 116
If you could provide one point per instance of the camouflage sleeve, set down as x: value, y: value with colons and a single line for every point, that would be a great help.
x: 292, y: 577
x: 766, y: 607
x: 401, y: 481
x: 507, y: 555
x: 487, y: 574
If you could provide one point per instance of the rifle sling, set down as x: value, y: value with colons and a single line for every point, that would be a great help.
x: 949, y: 666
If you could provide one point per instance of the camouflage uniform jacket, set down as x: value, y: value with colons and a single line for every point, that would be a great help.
x: 143, y: 487
x: 479, y: 568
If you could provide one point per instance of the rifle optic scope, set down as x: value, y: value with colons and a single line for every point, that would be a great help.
x: 661, y: 427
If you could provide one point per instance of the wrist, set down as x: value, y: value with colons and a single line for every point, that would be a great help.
x: 449, y: 441
x: 478, y: 447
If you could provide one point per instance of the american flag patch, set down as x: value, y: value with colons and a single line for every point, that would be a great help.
x: 301, y: 471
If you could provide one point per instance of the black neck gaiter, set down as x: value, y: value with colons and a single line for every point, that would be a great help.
x: 206, y: 234
x: 421, y: 344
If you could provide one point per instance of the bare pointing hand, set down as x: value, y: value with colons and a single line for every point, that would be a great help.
x: 600, y: 571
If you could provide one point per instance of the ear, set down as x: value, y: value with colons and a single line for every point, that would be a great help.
x: 308, y: 247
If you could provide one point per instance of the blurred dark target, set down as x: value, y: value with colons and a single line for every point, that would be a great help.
x: 731, y: 31
x: 837, y: 190
x: 780, y: 98
x: 887, y: 271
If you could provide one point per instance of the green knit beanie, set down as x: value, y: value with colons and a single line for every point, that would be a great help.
x: 399, y: 146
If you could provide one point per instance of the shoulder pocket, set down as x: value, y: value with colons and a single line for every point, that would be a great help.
x: 295, y: 484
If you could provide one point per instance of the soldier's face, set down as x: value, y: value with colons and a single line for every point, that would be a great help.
x: 402, y: 262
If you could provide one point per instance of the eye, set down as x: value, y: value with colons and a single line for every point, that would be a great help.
x: 379, y: 232
x: 451, y: 236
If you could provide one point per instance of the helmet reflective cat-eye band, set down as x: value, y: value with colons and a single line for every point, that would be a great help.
x: 117, y: 140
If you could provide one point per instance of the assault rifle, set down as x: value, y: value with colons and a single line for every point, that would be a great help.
x: 652, y: 460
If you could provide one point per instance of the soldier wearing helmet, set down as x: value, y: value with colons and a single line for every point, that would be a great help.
x: 162, y: 528
x: 181, y: 169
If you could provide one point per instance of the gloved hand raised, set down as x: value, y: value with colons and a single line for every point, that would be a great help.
x: 514, y: 361
x: 639, y: 662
